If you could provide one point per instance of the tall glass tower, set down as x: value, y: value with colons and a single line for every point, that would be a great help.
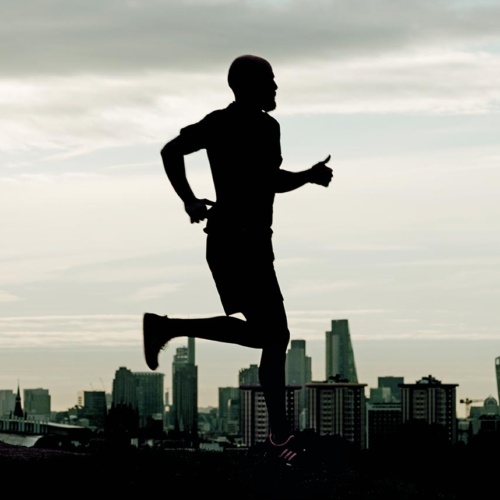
x: 339, y: 352
x: 185, y: 389
x: 298, y: 369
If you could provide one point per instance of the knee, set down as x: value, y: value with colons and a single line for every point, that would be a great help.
x: 277, y: 338
x: 269, y: 332
x: 283, y: 338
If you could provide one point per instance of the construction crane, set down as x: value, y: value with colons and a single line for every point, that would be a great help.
x: 467, y: 403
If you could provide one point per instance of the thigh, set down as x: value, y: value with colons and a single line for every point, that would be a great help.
x: 243, y: 272
x: 268, y: 321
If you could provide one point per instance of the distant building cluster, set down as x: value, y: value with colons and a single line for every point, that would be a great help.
x: 139, y: 409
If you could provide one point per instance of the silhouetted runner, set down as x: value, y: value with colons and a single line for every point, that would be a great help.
x: 242, y: 142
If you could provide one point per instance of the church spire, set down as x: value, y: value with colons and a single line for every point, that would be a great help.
x: 18, y: 409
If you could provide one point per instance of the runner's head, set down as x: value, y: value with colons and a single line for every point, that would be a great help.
x: 251, y: 79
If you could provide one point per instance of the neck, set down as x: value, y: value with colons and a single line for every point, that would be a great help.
x: 249, y: 104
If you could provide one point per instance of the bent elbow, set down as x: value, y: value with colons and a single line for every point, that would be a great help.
x: 165, y: 151
x: 170, y: 149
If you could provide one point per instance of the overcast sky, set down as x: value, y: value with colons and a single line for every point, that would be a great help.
x: 404, y: 243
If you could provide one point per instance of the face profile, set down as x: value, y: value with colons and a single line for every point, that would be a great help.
x: 251, y: 79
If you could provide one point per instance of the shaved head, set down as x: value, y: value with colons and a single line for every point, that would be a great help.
x: 246, y: 68
x: 251, y: 79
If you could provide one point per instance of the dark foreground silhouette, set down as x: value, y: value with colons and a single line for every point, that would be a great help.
x: 337, y: 473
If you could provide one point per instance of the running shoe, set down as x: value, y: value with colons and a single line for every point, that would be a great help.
x: 155, y: 338
x: 289, y: 451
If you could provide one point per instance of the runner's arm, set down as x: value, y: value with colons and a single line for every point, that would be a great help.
x: 317, y: 174
x: 172, y: 156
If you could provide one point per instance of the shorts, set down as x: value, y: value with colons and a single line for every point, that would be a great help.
x: 242, y: 267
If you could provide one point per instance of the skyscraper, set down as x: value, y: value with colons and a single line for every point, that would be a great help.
x: 37, y: 404
x: 392, y: 383
x: 339, y: 352
x: 229, y: 404
x: 254, y: 416
x: 149, y: 387
x: 122, y: 421
x: 299, y: 372
x: 383, y: 422
x: 431, y: 401
x: 124, y: 388
x: 383, y: 412
x: 338, y: 408
x: 7, y: 402
x: 94, y: 408
x: 249, y: 376
x: 184, y: 411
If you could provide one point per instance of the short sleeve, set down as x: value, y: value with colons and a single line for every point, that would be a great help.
x: 197, y: 135
x: 192, y: 138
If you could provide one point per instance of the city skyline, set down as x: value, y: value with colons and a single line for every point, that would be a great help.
x: 463, y: 404
x: 404, y: 243
x: 222, y: 364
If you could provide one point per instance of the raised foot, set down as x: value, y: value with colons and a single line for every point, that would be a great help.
x: 154, y: 338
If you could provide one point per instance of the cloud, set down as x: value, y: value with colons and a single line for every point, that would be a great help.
x: 69, y: 330
x: 311, y: 288
x: 61, y: 37
x: 108, y: 74
x: 70, y: 115
x: 431, y: 81
x: 123, y: 330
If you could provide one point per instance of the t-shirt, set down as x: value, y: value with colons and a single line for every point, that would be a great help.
x: 244, y: 152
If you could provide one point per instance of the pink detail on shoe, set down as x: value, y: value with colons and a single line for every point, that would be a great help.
x: 288, y: 455
x: 280, y: 444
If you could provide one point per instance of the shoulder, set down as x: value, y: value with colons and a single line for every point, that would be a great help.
x: 200, y: 134
x: 203, y: 124
x: 215, y: 116
x: 211, y: 120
